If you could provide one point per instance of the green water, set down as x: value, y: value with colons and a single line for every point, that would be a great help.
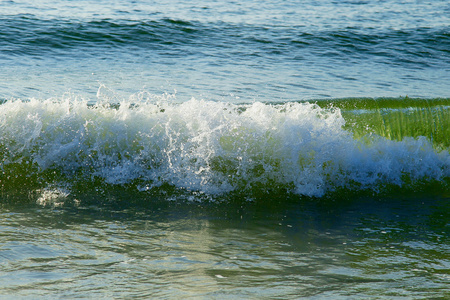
x: 365, y: 246
x: 396, y: 118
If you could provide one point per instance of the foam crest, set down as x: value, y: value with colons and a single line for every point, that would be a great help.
x: 211, y: 147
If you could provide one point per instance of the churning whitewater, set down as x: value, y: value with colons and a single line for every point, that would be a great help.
x: 209, y: 147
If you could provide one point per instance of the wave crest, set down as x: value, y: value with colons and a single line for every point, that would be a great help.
x: 211, y: 147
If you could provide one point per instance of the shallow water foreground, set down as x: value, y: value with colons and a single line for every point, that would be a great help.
x: 394, y: 247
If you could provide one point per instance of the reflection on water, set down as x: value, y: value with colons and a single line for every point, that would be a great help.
x: 266, y: 249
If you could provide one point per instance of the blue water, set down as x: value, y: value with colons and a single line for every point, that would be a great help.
x: 225, y: 149
x: 229, y: 51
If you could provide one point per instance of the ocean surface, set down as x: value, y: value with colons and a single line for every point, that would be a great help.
x: 225, y: 149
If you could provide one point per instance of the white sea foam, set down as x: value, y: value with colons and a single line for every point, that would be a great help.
x: 52, y: 197
x: 211, y: 147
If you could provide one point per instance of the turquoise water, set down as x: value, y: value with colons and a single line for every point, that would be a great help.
x: 213, y: 150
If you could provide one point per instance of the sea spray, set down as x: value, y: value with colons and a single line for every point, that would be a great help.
x: 208, y: 147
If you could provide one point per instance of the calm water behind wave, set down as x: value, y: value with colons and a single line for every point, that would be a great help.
x: 239, y: 51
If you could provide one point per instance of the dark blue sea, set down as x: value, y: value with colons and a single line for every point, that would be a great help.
x: 225, y: 149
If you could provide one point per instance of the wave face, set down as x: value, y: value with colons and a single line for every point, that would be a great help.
x: 216, y: 148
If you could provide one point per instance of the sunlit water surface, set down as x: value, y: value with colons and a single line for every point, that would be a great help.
x: 392, y: 248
